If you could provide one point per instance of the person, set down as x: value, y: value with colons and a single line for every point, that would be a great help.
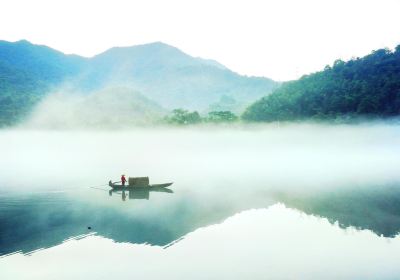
x: 123, y: 180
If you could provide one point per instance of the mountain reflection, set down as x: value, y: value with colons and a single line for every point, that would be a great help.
x: 44, y: 220
x: 376, y: 208
x: 36, y: 221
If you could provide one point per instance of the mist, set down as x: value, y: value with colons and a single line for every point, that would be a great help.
x: 112, y: 107
x: 205, y: 159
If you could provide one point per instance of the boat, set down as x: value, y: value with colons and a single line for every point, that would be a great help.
x: 137, y: 183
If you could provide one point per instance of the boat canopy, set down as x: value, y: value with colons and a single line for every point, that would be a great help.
x: 138, y: 181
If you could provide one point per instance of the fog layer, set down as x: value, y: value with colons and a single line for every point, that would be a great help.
x: 271, y: 157
x: 111, y: 107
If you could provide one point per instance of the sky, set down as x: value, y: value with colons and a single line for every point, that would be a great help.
x: 279, y: 39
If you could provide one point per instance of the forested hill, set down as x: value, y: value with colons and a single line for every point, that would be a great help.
x: 27, y: 72
x: 368, y: 86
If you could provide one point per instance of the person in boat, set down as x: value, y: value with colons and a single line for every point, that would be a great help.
x: 123, y: 180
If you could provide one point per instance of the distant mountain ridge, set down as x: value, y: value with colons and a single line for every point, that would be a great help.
x: 172, y: 78
x: 160, y: 72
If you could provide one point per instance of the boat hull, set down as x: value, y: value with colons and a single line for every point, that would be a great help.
x: 152, y: 187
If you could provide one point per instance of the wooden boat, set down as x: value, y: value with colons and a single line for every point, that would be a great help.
x: 138, y: 183
x: 152, y: 187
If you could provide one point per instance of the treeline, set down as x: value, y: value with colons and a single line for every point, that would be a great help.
x: 185, y: 117
x: 368, y: 86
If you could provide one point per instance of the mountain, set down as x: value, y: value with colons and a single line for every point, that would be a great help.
x: 170, y: 77
x: 161, y: 73
x: 27, y: 72
x: 39, y: 62
x: 361, y: 87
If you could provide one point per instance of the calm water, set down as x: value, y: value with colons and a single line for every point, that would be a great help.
x: 287, y: 202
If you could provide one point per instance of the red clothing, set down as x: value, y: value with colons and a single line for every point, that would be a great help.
x: 123, y: 180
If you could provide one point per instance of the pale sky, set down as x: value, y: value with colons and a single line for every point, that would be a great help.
x: 280, y: 39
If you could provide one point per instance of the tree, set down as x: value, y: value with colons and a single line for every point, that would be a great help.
x: 183, y: 117
x: 221, y: 116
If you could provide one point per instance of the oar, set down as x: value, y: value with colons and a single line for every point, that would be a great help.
x: 103, y: 185
x: 99, y: 188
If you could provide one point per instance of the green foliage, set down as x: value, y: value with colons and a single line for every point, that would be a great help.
x: 14, y: 107
x: 368, y: 86
x: 221, y: 116
x: 183, y: 117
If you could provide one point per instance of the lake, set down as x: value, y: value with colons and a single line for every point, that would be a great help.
x: 279, y: 201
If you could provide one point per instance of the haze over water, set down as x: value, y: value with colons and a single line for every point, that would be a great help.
x: 274, y: 201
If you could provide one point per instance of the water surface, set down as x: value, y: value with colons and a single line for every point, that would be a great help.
x: 266, y: 202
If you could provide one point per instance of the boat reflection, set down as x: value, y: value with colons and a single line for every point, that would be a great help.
x: 138, y: 193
